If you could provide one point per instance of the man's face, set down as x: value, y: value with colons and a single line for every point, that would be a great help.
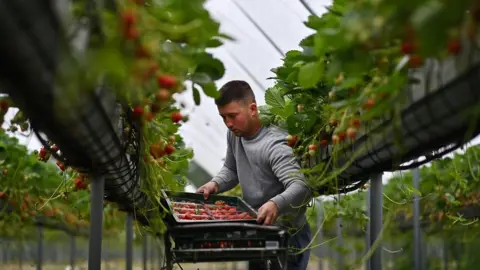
x: 237, y: 116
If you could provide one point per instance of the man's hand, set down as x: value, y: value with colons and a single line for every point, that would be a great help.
x: 207, y: 189
x: 268, y: 213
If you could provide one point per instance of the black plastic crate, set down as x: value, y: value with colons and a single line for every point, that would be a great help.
x: 227, y: 242
x: 207, y: 211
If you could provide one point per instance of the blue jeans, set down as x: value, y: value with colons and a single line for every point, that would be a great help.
x: 294, y: 262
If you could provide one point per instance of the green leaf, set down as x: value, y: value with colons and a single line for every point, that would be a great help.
x: 110, y: 61
x: 196, y: 96
x: 294, y: 124
x: 307, y: 42
x: 210, y: 90
x: 273, y: 98
x: 310, y: 74
x: 201, y: 78
x: 309, y: 122
x: 293, y: 54
x: 227, y: 37
x: 320, y: 45
x: 214, y: 43
x: 414, y: 190
x: 206, y: 63
x: 314, y: 22
x: 350, y: 82
x: 266, y: 117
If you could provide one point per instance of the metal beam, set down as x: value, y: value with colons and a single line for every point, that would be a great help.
x: 307, y: 6
x: 245, y: 69
x: 270, y: 40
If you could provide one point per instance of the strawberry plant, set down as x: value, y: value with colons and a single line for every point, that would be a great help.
x: 150, y: 51
x: 448, y: 188
x: 146, y: 52
x: 353, y: 71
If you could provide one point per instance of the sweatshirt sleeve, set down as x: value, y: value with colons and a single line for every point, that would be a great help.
x: 227, y: 177
x: 287, y: 169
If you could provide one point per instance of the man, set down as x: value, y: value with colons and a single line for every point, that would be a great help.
x: 259, y: 159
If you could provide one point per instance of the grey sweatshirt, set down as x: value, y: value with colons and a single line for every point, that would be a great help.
x: 266, y: 169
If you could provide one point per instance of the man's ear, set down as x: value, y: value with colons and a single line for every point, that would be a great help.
x: 253, y: 108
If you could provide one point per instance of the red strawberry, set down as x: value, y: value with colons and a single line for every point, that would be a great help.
x: 3, y: 195
x: 415, y: 61
x: 131, y: 33
x: 291, y: 140
x: 166, y: 81
x: 4, y: 105
x: 176, y: 117
x: 162, y: 95
x: 42, y: 153
x: 323, y: 142
x: 369, y: 103
x: 454, y: 47
x: 313, y: 147
x: 169, y: 149
x: 351, y: 133
x: 141, y: 52
x: 355, y: 122
x: 408, y: 47
x: 138, y: 112
x: 60, y: 165
x: 156, y: 150
x: 54, y: 148
x: 154, y: 108
x: 129, y: 17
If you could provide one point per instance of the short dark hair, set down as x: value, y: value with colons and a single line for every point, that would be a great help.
x: 235, y: 91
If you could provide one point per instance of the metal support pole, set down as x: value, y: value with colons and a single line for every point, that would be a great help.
x: 161, y: 251
x: 20, y: 255
x: 320, y: 235
x: 376, y: 219
x: 445, y: 255
x: 145, y: 251
x: 39, y: 247
x: 96, y: 223
x: 153, y: 252
x: 417, y: 249
x: 367, y: 236
x: 4, y: 251
x: 129, y: 242
x: 340, y: 244
x: 73, y: 250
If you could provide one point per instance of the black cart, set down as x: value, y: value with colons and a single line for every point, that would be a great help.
x: 194, y: 241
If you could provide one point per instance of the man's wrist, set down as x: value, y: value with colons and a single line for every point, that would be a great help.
x: 280, y: 202
x: 217, y: 185
x: 276, y: 205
